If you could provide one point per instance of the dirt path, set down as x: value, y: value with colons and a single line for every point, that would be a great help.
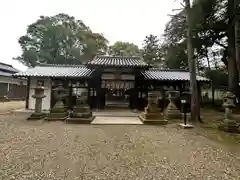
x: 40, y: 150
x: 11, y: 105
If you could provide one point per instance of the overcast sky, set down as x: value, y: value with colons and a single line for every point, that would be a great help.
x: 124, y: 20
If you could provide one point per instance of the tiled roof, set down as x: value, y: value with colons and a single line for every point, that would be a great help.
x: 6, y: 74
x: 118, y: 61
x: 8, y: 68
x: 171, y: 75
x: 54, y: 70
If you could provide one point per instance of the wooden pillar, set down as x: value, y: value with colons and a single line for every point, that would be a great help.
x: 27, y: 93
x: 88, y: 89
x: 199, y: 93
x: 199, y: 99
x: 70, y: 105
x: 52, y: 95
x: 98, y: 96
x: 8, y: 89
x: 135, y: 94
x: 146, y: 83
x: 184, y: 86
x: 180, y: 86
x: 98, y: 91
x: 141, y: 104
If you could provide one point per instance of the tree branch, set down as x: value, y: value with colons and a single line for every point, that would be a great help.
x: 218, y: 43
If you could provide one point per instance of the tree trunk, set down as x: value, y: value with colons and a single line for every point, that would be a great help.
x: 195, y: 108
x: 232, y: 64
x: 237, y: 36
x: 237, y: 44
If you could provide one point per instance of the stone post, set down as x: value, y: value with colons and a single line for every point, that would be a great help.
x: 172, y: 112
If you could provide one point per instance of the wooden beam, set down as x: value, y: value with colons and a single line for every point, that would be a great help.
x: 70, y: 104
x: 27, y: 93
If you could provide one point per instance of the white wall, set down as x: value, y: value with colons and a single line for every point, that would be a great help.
x: 46, y: 102
x: 218, y: 94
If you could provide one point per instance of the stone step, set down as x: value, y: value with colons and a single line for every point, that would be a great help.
x: 116, y: 113
x: 117, y: 121
x: 153, y: 121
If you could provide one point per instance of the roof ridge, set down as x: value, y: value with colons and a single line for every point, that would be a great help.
x: 60, y: 65
x: 112, y: 56
x: 118, y: 61
x: 168, y: 70
x: 170, y: 75
x: 9, y: 65
x: 56, y: 71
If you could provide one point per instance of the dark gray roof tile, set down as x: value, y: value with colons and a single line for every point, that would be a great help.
x: 56, y: 71
x: 6, y: 74
x: 118, y: 61
x: 156, y: 74
x: 8, y: 68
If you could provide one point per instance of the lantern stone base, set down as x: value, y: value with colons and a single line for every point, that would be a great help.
x: 56, y: 116
x: 80, y: 120
x: 81, y: 114
x: 36, y: 116
x: 186, y: 126
x: 153, y: 118
x: 172, y: 112
x: 229, y: 126
x: 83, y: 110
x: 152, y: 114
x: 57, y: 113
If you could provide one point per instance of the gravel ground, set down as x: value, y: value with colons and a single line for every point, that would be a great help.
x: 11, y: 105
x: 47, y: 151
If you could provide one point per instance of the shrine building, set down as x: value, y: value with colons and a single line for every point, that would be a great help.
x: 110, y: 81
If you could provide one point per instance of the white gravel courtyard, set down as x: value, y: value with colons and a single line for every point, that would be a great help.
x: 49, y: 151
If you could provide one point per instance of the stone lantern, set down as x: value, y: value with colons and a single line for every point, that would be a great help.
x: 152, y: 114
x: 58, y: 112
x: 229, y: 124
x: 81, y: 112
x: 172, y: 112
x: 38, y: 96
x: 60, y: 94
x: 152, y: 103
x: 228, y: 104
